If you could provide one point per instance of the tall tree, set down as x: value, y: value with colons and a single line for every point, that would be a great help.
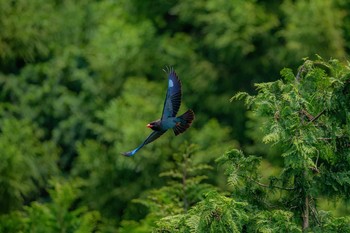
x: 307, y: 115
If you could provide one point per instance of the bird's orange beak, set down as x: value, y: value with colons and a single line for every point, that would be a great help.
x: 149, y: 125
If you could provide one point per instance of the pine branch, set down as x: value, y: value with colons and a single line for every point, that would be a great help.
x: 268, y: 186
x: 316, y: 117
x: 308, y: 115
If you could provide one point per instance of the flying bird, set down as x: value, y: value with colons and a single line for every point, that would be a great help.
x: 168, y: 120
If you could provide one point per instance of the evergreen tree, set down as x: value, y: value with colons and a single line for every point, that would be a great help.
x: 307, y: 115
x: 185, y: 188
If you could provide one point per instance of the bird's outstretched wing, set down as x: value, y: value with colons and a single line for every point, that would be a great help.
x: 153, y: 136
x: 173, y: 96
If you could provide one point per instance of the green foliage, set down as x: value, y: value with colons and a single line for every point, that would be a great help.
x: 239, y: 167
x: 118, y: 46
x: 16, y: 43
x: 222, y: 22
x: 56, y: 95
x: 26, y: 163
x: 233, y: 37
x: 243, y: 177
x: 80, y: 79
x: 216, y: 213
x: 184, y: 189
x: 307, y: 117
x: 186, y: 178
x: 332, y: 224
x: 56, y: 216
x: 273, y: 221
x: 313, y: 27
x: 174, y: 208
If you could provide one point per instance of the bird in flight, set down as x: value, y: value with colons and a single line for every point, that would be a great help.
x: 168, y: 120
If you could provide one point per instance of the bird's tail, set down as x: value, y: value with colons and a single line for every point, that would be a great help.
x: 131, y: 153
x: 185, y: 121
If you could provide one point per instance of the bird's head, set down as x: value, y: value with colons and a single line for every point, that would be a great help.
x: 155, y: 125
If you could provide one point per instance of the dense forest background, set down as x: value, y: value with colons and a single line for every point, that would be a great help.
x: 79, y: 80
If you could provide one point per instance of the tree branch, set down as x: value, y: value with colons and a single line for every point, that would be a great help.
x: 305, y: 214
x: 268, y: 186
x: 316, y: 117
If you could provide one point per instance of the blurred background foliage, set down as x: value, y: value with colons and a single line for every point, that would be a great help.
x: 80, y: 79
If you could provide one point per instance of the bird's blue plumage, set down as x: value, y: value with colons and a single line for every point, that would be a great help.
x: 168, y: 119
x: 173, y: 96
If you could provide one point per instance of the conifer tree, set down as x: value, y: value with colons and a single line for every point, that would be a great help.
x: 170, y: 203
x: 307, y: 115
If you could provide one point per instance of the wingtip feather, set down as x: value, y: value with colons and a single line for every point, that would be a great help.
x: 168, y: 69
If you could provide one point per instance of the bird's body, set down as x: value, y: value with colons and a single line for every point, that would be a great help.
x: 168, y: 119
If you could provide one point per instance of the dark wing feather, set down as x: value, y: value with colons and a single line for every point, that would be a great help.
x: 153, y: 136
x: 173, y: 96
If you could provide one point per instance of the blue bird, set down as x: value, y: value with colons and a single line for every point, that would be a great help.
x: 168, y: 119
